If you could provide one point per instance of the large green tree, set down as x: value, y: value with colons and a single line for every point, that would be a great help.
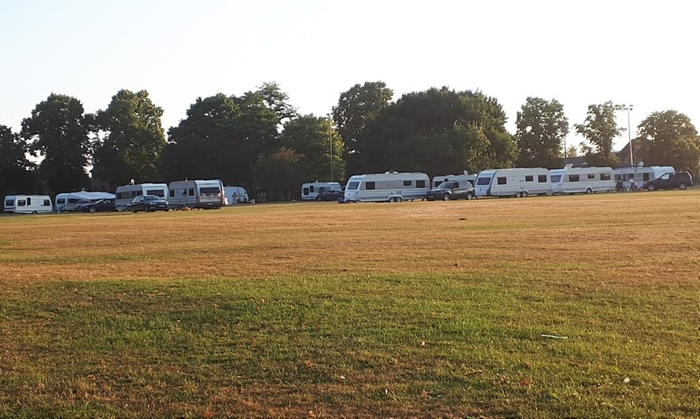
x: 669, y: 138
x: 356, y: 108
x: 58, y: 130
x: 133, y: 139
x: 600, y: 129
x: 279, y: 175
x: 224, y: 136
x: 439, y: 131
x: 541, y: 128
x: 318, y: 145
x: 16, y: 171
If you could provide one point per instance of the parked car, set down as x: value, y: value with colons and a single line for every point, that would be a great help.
x: 680, y: 180
x: 149, y: 203
x: 329, y: 195
x: 451, y: 190
x: 100, y: 205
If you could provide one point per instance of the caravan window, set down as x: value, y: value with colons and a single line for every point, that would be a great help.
x: 529, y: 178
x: 72, y: 200
x: 556, y: 178
x: 172, y: 193
x: 60, y: 201
x: 369, y: 185
x: 420, y: 184
x: 21, y: 202
x: 47, y: 203
x: 29, y: 201
x: 191, y: 191
x: 9, y: 202
x: 306, y: 191
x: 483, y: 181
x: 502, y: 181
x: 311, y: 188
x: 646, y: 176
x: 437, y: 183
x: 407, y: 183
x: 156, y: 192
x: 353, y: 185
x: 573, y: 178
x: 210, y: 191
x: 542, y: 178
x: 605, y: 176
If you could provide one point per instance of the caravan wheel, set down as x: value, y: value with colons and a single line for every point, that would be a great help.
x: 523, y: 194
x: 589, y: 191
x: 398, y: 199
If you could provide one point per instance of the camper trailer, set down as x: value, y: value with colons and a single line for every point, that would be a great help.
x: 235, y: 195
x: 28, y: 204
x: 465, y: 177
x: 309, y: 191
x: 387, y: 187
x: 570, y: 180
x: 519, y: 182
x: 632, y: 177
x: 126, y: 193
x: 196, y: 194
x: 65, y: 202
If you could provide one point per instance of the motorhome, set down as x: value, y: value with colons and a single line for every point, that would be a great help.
x: 235, y: 195
x: 309, y: 191
x: 631, y: 177
x: 519, y: 182
x: 196, y: 194
x: 387, y: 187
x: 65, y: 202
x: 570, y: 180
x: 465, y: 177
x: 28, y: 204
x: 126, y: 193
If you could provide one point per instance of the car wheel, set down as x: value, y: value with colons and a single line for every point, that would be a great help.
x: 651, y: 187
x: 470, y: 196
x: 34, y: 212
x: 446, y: 197
x: 133, y: 210
x: 93, y: 209
x: 318, y: 198
x: 682, y: 186
x: 589, y: 191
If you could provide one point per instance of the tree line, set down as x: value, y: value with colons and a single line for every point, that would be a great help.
x: 260, y: 141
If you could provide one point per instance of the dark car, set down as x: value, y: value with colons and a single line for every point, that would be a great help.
x: 680, y: 180
x: 329, y: 195
x: 101, y: 205
x: 149, y: 203
x: 451, y: 190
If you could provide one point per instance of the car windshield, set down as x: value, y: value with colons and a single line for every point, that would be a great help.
x: 152, y: 198
x: 446, y: 185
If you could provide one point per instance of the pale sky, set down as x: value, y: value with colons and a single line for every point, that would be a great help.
x: 578, y: 52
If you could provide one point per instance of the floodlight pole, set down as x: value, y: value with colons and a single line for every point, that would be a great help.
x: 330, y: 141
x: 628, y: 108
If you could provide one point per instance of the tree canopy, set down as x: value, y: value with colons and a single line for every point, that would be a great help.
x: 669, y: 138
x: 58, y: 131
x: 600, y: 129
x: 541, y: 128
x: 318, y: 145
x: 16, y: 171
x: 133, y: 139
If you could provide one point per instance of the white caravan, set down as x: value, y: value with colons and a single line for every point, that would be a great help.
x: 309, y: 191
x: 235, y: 195
x: 27, y: 204
x: 519, y: 182
x: 588, y: 180
x: 465, y: 177
x: 205, y: 194
x: 624, y: 175
x: 126, y: 193
x: 66, y: 201
x: 387, y: 187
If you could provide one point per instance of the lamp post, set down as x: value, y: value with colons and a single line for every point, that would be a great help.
x: 628, y: 108
x: 330, y: 141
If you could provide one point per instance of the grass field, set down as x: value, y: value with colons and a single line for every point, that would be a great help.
x: 582, y: 306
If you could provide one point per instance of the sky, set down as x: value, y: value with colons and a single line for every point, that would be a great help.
x: 577, y: 52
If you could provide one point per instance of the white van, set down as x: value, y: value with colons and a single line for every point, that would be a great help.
x: 387, y: 187
x: 465, y: 177
x: 126, y: 193
x: 66, y: 201
x: 235, y: 195
x: 196, y: 194
x: 519, y: 182
x: 28, y: 204
x: 625, y: 177
x: 310, y: 190
x: 570, y: 180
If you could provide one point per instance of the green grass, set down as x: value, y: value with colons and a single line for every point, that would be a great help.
x: 377, y: 337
